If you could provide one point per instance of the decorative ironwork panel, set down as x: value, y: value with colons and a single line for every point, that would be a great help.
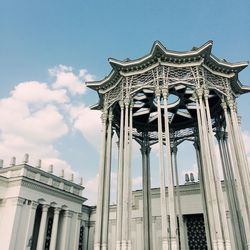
x: 196, y: 232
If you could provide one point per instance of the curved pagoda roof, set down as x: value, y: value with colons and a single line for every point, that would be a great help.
x: 159, y: 54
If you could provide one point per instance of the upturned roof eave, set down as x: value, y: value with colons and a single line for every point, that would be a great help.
x: 238, y: 66
x: 157, y: 45
x: 96, y: 84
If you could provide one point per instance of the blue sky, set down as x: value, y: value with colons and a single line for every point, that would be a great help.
x: 47, y: 44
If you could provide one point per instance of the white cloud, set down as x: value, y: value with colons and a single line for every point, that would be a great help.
x: 35, y: 116
x: 65, y: 78
x: 88, y: 122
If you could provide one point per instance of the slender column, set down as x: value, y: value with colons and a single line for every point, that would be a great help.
x: 120, y: 182
x: 222, y: 208
x: 99, y: 209
x: 204, y: 168
x: 31, y: 221
x: 242, y: 166
x: 125, y: 205
x: 77, y: 230
x: 66, y: 228
x: 105, y: 227
x: 54, y: 229
x: 130, y: 173
x: 238, y: 183
x: 147, y: 226
x: 42, y: 228
x: 230, y: 189
x: 205, y: 203
x: 178, y: 204
x: 164, y: 224
x: 171, y: 198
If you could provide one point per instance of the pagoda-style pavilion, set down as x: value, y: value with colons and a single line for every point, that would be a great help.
x: 167, y: 97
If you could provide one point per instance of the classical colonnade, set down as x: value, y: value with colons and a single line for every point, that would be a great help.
x: 37, y: 234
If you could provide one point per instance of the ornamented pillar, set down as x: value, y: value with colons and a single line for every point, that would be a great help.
x: 125, y: 211
x: 164, y: 225
x: 105, y: 226
x: 221, y: 203
x: 54, y: 228
x: 120, y: 182
x: 171, y: 198
x: 146, y: 189
x: 42, y: 228
x: 178, y: 204
x: 31, y: 221
x: 230, y: 189
x: 240, y: 153
x: 238, y: 181
x: 211, y: 196
x: 99, y: 209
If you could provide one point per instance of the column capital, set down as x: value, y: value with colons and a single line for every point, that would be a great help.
x: 104, y: 116
x: 79, y: 216
x: 18, y: 201
x: 206, y: 93
x: 126, y: 101
x: 199, y: 92
x: 121, y: 103
x: 68, y: 213
x: 157, y: 92
x: 45, y: 207
x: 34, y: 204
x: 165, y: 92
x: 57, y: 210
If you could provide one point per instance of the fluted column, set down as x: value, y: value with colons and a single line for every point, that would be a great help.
x: 120, y: 182
x: 31, y: 221
x: 146, y: 189
x: 54, y: 228
x: 77, y: 230
x: 178, y: 204
x: 42, y: 228
x: 125, y: 208
x: 105, y: 227
x: 164, y: 225
x: 171, y: 198
x: 99, y: 208
x: 221, y: 202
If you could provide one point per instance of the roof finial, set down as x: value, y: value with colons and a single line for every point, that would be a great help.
x: 62, y: 173
x: 50, y: 168
x: 12, y: 161
x: 1, y: 163
x: 39, y: 163
x: 26, y: 158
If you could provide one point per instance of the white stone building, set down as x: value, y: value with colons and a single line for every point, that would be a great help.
x: 39, y: 210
